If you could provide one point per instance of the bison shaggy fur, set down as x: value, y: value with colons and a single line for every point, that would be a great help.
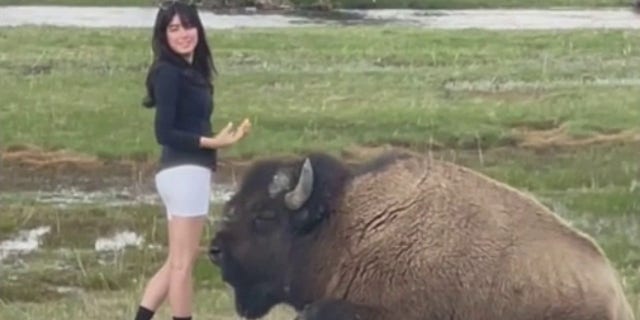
x: 405, y: 237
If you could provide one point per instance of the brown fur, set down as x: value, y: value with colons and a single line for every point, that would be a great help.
x: 426, y: 239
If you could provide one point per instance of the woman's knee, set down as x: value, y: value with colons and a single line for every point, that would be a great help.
x: 181, y: 266
x: 184, y: 260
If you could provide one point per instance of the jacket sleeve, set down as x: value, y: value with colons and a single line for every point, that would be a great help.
x: 166, y: 88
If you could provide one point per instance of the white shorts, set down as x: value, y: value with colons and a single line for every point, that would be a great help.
x: 185, y: 190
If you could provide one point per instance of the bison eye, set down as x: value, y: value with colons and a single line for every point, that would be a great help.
x: 265, y: 221
x: 267, y: 215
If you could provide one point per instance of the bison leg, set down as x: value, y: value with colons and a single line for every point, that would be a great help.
x: 337, y: 310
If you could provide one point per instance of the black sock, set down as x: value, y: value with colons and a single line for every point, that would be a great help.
x: 181, y: 318
x: 144, y: 313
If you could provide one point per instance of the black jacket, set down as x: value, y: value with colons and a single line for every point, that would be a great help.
x: 184, y: 107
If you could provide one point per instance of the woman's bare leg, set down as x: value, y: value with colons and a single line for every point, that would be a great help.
x: 155, y: 292
x: 184, y: 240
x: 157, y: 288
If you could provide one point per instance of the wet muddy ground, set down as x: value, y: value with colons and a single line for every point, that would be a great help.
x: 61, y: 179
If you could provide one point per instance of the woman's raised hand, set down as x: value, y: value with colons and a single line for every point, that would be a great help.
x: 228, y: 135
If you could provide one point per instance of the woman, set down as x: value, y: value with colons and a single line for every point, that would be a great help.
x: 179, y: 86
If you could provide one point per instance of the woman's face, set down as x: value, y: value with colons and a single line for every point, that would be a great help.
x: 182, y: 40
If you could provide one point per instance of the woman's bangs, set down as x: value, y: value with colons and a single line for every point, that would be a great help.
x: 188, y: 18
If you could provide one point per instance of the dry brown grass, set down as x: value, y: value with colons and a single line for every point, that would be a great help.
x: 38, y: 158
x: 559, y: 137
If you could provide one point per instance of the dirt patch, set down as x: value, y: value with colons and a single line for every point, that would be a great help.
x: 36, y: 158
x: 559, y: 137
x: 31, y: 168
x: 28, y: 167
x: 25, y: 167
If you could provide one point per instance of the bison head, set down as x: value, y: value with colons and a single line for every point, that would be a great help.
x: 268, y: 224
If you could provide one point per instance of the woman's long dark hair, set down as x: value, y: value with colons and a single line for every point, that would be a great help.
x: 202, y: 60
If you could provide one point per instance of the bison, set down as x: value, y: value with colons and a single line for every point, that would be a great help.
x: 405, y: 237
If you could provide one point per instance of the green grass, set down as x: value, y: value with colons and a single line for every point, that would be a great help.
x: 416, y: 4
x: 327, y: 88
x: 209, y: 304
x: 71, y: 245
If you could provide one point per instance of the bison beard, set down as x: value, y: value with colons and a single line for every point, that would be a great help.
x: 254, y: 297
x: 406, y: 237
x: 254, y: 302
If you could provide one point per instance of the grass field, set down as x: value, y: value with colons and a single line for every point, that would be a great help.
x: 414, y: 4
x: 326, y: 89
x: 553, y: 113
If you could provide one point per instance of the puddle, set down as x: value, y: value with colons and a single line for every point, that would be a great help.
x: 112, y: 197
x: 497, y: 19
x: 26, y: 241
x: 119, y: 241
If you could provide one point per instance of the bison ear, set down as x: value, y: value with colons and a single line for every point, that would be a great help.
x: 279, y: 183
x: 296, y: 198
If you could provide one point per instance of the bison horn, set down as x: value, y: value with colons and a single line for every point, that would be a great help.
x: 295, y: 198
